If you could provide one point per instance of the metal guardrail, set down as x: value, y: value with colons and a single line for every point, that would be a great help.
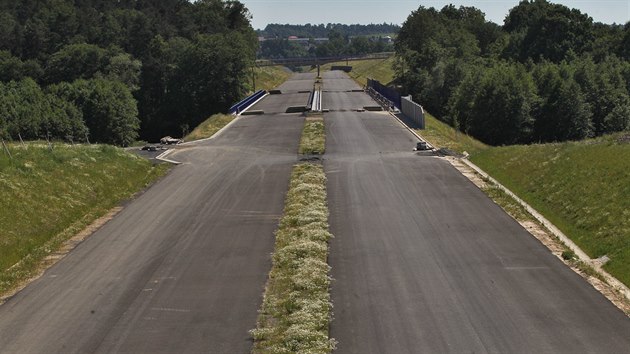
x: 242, y: 105
x: 317, y: 101
x: 380, y: 99
x: 388, y: 92
x: 407, y: 106
x: 321, y: 60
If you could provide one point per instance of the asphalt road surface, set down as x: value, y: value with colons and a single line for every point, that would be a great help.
x: 295, y: 92
x: 338, y: 93
x: 183, y: 267
x: 424, y: 262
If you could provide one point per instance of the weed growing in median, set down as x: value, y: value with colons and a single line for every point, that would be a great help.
x: 313, y: 137
x: 296, y: 310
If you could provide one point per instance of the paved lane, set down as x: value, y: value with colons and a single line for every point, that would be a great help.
x: 295, y: 92
x: 182, y: 268
x: 423, y: 261
x: 338, y: 95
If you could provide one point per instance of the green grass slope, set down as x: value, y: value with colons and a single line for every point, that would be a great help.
x: 443, y: 135
x: 380, y: 70
x: 582, y: 187
x: 210, y: 126
x: 48, y: 196
x: 269, y: 77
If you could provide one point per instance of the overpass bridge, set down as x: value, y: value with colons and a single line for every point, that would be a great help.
x: 320, y: 60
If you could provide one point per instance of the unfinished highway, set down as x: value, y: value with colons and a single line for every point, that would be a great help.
x: 183, y: 267
x: 422, y: 260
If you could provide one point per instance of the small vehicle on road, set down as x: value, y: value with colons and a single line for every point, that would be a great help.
x: 168, y: 140
x: 421, y: 146
x: 150, y: 147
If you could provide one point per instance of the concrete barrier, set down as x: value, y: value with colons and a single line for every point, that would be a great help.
x: 296, y: 109
x: 341, y: 68
x: 253, y: 113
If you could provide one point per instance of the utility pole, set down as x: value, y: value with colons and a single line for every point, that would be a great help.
x: 254, y: 77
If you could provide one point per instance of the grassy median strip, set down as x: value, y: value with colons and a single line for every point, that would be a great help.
x: 313, y: 136
x: 48, y: 196
x: 296, y: 310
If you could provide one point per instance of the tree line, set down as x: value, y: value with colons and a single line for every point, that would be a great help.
x: 336, y: 45
x: 341, y: 40
x: 115, y: 71
x: 283, y: 31
x: 548, y: 74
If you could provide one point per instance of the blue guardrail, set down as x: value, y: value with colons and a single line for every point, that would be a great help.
x: 242, y: 105
x: 389, y: 93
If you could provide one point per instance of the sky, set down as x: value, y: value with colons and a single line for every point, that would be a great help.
x: 397, y: 11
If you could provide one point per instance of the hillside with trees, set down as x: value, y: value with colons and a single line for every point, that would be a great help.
x: 116, y: 71
x: 548, y: 74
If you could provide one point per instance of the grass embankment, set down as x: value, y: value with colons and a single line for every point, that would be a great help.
x: 209, y: 127
x: 582, y: 187
x: 380, y: 70
x: 48, y: 196
x: 296, y: 311
x: 442, y: 135
x: 269, y: 77
x: 313, y: 139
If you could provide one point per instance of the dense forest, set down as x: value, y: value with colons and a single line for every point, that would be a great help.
x: 114, y: 71
x: 548, y: 74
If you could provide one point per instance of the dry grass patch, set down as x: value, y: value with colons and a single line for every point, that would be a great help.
x: 313, y: 139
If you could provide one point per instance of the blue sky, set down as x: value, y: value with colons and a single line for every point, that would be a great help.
x: 396, y: 11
